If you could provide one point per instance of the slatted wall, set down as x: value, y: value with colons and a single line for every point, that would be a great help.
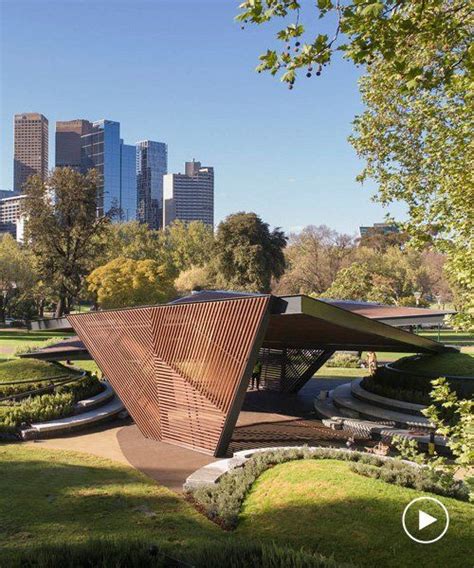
x: 178, y: 368
x: 287, y: 370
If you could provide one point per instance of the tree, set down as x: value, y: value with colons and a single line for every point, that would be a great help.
x: 124, y: 282
x: 133, y: 240
x: 389, y: 278
x: 196, y: 277
x: 248, y: 254
x: 62, y: 230
x: 416, y: 134
x: 17, y: 275
x: 418, y: 148
x: 314, y: 257
x: 423, y: 43
x: 189, y: 244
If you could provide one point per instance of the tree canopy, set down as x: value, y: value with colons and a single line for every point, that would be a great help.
x: 415, y: 134
x: 62, y: 229
x: 248, y: 253
x: 314, y: 256
x: 126, y: 282
x: 422, y: 42
x: 17, y: 274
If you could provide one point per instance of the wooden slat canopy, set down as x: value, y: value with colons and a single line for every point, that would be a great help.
x: 182, y: 369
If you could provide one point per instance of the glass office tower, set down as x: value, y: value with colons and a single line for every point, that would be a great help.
x: 128, y: 181
x: 152, y: 165
x: 103, y: 149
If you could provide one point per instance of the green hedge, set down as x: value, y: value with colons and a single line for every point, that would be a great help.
x: 222, y: 501
x: 390, y: 386
x: 344, y: 360
x: 110, y: 554
x: 36, y: 409
x: 421, y: 479
x: 45, y: 407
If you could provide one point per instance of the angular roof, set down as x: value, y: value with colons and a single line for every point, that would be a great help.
x: 302, y: 322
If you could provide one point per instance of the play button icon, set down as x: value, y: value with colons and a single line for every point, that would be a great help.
x: 422, y: 520
x: 425, y: 520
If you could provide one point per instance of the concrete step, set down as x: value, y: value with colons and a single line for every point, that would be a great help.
x: 62, y: 426
x: 352, y: 407
x: 95, y: 401
x: 383, y: 402
x: 375, y: 430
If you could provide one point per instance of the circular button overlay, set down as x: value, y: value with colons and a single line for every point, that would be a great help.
x: 425, y: 520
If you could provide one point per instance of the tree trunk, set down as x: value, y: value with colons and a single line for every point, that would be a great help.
x: 2, y: 309
x: 41, y: 308
x: 59, y: 308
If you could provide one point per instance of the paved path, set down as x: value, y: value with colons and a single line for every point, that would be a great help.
x: 267, y: 419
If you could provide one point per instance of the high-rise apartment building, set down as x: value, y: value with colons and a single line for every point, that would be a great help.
x: 152, y: 165
x: 69, y: 142
x: 30, y: 148
x: 104, y: 150
x: 189, y: 196
x: 11, y: 214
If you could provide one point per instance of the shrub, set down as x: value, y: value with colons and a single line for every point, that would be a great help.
x: 222, y: 501
x: 421, y: 479
x: 36, y: 409
x: 345, y: 360
x: 85, y: 387
x: 386, y: 388
x: 114, y: 554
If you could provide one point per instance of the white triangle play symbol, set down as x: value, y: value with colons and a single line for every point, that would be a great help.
x: 425, y: 520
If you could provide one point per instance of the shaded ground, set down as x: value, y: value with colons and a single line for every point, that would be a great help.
x: 63, y: 498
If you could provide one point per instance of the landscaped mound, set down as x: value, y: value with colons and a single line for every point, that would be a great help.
x: 35, y: 391
x: 409, y: 379
x: 222, y: 501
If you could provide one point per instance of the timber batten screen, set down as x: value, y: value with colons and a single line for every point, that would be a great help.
x: 181, y: 370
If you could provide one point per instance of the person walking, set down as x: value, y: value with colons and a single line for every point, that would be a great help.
x: 256, y: 374
x: 371, y: 362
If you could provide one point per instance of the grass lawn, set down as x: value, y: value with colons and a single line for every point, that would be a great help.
x: 450, y: 337
x: 60, y: 498
x: 457, y: 364
x: 19, y: 369
x: 338, y: 372
x: 323, y: 506
x: 11, y: 340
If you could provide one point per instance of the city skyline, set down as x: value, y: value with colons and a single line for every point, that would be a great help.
x: 205, y: 100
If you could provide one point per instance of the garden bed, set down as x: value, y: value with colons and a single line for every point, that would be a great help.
x: 36, y: 391
x: 409, y: 379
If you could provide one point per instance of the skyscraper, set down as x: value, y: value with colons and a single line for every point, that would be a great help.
x: 189, y: 196
x: 30, y: 148
x: 152, y: 165
x: 69, y: 142
x: 104, y: 150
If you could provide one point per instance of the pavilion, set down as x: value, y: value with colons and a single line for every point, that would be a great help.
x: 182, y: 369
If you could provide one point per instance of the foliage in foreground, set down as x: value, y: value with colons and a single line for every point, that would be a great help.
x: 453, y: 418
x: 116, y: 554
x: 222, y: 501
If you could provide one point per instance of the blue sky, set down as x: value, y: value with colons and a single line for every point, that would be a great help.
x: 182, y: 71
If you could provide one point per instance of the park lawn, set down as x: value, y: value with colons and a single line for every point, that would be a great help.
x: 11, y: 340
x: 23, y: 369
x: 324, y: 507
x: 326, y: 372
x: 450, y: 337
x: 61, y: 498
